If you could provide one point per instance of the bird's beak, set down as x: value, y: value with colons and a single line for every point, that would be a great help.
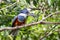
x: 32, y: 14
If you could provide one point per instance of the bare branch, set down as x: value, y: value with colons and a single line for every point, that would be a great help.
x: 43, y: 22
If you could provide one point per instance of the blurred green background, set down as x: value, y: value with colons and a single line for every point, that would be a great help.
x: 11, y: 8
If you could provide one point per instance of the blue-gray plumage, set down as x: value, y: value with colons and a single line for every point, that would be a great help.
x: 25, y: 11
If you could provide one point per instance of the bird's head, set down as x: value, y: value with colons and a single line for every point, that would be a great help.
x: 27, y: 12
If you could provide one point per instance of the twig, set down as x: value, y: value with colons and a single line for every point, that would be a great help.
x: 35, y: 8
x: 48, y: 33
x: 8, y: 6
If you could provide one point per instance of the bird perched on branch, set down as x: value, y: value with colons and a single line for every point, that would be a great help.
x: 19, y: 20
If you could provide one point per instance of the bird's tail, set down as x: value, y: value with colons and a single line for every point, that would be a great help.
x: 13, y: 33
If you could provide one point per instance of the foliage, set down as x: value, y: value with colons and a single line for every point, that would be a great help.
x: 34, y: 32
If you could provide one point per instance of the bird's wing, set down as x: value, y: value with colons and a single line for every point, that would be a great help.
x: 13, y: 21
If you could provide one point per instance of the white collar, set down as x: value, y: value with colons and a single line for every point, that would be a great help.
x: 21, y: 14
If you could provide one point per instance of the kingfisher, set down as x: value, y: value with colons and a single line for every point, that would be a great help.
x: 19, y: 20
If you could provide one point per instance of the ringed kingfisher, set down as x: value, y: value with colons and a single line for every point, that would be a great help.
x: 19, y: 20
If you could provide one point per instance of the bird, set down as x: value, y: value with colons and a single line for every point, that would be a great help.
x: 19, y: 20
